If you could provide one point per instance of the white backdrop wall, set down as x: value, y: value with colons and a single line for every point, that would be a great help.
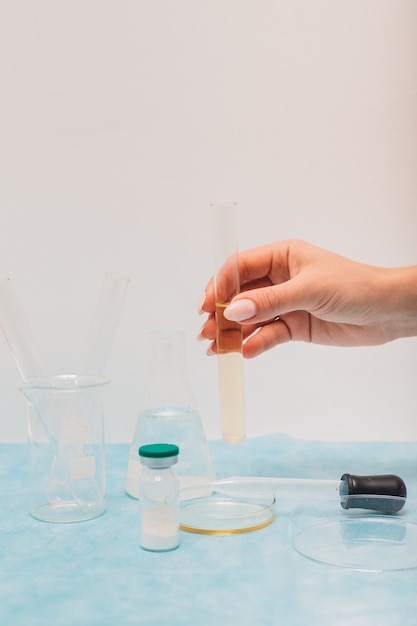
x: 121, y: 121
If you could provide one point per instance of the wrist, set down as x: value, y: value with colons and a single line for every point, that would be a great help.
x: 401, y: 294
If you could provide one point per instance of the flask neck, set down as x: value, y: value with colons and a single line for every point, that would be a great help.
x: 167, y: 384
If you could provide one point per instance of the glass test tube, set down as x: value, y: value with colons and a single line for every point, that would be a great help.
x: 104, y: 324
x: 228, y: 334
x: 18, y: 333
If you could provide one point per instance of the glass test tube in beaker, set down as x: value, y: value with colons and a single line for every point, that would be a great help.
x: 228, y: 334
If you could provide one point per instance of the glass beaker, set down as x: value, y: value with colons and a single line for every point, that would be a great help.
x: 66, y: 447
x: 169, y: 414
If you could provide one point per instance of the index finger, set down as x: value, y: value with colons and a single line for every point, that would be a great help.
x: 258, y: 267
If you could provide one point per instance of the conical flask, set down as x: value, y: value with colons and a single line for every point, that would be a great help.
x: 169, y: 414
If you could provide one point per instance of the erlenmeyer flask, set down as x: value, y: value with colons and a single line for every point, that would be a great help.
x: 169, y: 414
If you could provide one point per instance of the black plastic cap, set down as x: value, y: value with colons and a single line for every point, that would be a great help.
x: 388, y: 485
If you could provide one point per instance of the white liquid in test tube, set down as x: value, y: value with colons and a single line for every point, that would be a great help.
x: 229, y: 334
x: 232, y: 396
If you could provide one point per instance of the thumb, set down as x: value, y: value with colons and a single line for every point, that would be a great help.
x: 262, y: 305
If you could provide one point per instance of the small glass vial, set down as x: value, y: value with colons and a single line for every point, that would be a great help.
x: 159, y: 497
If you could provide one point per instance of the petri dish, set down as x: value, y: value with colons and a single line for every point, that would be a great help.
x: 217, y: 514
x: 356, y: 538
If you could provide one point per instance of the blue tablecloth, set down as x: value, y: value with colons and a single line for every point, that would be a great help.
x: 94, y: 573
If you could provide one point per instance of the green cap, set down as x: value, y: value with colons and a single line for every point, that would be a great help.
x: 159, y: 450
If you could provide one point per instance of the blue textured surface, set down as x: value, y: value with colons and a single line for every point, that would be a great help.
x: 94, y: 573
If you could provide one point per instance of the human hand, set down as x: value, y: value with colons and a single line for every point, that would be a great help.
x: 292, y: 290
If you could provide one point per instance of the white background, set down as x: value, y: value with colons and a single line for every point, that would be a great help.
x: 122, y: 120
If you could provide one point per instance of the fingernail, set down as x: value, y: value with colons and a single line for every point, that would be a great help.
x: 240, y: 310
x: 201, y: 304
x: 200, y: 334
x: 210, y: 351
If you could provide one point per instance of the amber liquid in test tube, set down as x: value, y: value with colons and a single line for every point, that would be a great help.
x: 229, y: 334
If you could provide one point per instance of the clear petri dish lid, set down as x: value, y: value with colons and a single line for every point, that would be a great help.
x: 217, y: 514
x: 357, y: 538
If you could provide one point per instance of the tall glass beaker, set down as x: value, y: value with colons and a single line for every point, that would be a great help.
x: 169, y: 414
x: 66, y: 447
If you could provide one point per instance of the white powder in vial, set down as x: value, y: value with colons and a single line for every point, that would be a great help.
x: 159, y: 530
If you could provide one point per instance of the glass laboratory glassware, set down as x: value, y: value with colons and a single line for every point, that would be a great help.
x: 228, y: 334
x: 169, y: 414
x: 66, y: 447
x: 159, y: 498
